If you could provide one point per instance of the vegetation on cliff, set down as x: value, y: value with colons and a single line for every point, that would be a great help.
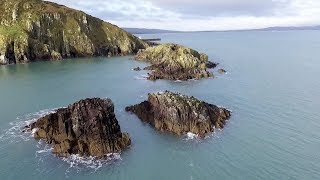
x: 38, y: 30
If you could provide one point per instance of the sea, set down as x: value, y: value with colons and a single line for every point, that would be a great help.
x: 271, y: 86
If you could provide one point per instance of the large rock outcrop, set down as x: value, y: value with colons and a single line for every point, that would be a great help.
x: 33, y: 30
x: 175, y: 62
x: 180, y: 114
x: 88, y: 128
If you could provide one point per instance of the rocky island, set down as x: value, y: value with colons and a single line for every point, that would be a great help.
x: 175, y: 62
x: 33, y: 30
x: 87, y: 128
x: 179, y: 114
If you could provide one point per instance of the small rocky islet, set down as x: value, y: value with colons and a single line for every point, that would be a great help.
x: 175, y: 62
x: 180, y: 114
x: 87, y: 128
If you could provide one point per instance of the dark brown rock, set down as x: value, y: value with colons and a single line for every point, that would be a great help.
x: 180, y: 114
x: 211, y: 65
x: 88, y: 128
x: 137, y: 69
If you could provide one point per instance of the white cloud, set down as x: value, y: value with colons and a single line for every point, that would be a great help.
x: 204, y: 15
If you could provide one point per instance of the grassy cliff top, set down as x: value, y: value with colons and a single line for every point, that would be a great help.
x: 31, y: 29
x: 174, y: 55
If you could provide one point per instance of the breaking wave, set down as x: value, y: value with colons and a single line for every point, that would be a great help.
x: 191, y: 136
x: 15, y: 134
x: 142, y: 77
x: 76, y: 162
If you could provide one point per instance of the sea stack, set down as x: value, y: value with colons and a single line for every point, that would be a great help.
x: 87, y: 128
x: 180, y: 114
x: 175, y: 62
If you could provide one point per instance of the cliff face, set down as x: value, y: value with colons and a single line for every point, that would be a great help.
x: 33, y: 30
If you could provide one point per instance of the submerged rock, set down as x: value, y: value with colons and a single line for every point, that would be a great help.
x: 175, y: 62
x: 88, y: 128
x: 33, y: 30
x: 180, y: 114
x: 211, y: 65
x: 137, y: 69
x: 222, y: 71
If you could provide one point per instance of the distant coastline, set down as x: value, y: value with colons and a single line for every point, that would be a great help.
x: 162, y: 31
x: 148, y: 31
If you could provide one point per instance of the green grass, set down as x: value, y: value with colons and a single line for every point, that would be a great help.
x: 12, y: 31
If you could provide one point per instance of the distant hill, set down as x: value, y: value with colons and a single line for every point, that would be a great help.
x: 147, y: 31
x: 159, y: 31
x: 291, y: 28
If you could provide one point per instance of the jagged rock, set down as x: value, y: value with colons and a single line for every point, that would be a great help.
x: 211, y: 65
x: 222, y: 71
x: 175, y: 62
x: 3, y: 59
x: 55, y: 55
x: 88, y: 128
x: 33, y: 30
x: 180, y: 114
x: 137, y: 69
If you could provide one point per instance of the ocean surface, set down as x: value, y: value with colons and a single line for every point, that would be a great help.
x: 272, y: 87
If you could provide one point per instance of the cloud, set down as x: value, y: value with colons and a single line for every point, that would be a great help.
x: 222, y: 7
x: 120, y: 9
x: 202, y: 15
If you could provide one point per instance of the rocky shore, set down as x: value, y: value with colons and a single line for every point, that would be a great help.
x: 175, y: 62
x: 88, y: 128
x: 180, y: 114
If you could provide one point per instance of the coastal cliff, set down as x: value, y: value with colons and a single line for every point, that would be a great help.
x: 33, y: 30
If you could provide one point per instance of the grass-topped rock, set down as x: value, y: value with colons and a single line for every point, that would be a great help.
x: 39, y: 30
x: 180, y: 114
x: 175, y: 62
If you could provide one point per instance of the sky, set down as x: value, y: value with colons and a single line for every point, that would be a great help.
x: 201, y: 15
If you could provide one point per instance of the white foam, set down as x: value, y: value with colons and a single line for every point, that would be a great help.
x: 191, y: 136
x: 47, y: 149
x: 44, y: 153
x: 141, y: 77
x: 34, y: 131
x: 78, y: 162
x: 15, y: 134
x: 161, y: 92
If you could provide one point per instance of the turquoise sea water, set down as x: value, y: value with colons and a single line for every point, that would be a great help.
x: 272, y: 88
